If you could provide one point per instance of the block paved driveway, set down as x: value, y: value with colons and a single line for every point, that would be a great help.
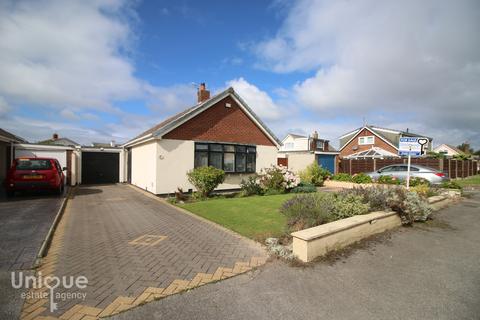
x: 24, y: 224
x: 134, y: 248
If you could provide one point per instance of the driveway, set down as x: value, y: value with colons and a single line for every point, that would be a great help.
x: 24, y: 224
x: 133, y: 248
x: 430, y: 271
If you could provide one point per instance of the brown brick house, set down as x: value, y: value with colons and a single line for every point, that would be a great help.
x: 220, y: 131
x: 372, y: 141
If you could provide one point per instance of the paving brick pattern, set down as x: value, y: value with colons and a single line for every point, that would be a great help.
x: 133, y: 249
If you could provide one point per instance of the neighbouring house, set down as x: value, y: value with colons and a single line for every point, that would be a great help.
x: 447, y: 150
x: 298, y: 151
x: 7, y: 142
x: 374, y: 142
x: 57, y: 141
x: 220, y: 131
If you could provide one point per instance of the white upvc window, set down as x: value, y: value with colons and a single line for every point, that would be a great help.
x: 366, y: 140
x: 288, y: 146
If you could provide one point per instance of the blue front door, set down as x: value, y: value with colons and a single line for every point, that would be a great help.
x: 327, y: 161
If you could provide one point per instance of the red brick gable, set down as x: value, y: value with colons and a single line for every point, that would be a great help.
x: 219, y: 123
x: 348, y: 149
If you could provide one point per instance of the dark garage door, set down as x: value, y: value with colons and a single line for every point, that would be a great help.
x: 100, y: 167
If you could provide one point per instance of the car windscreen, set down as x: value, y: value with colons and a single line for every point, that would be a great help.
x: 33, y: 164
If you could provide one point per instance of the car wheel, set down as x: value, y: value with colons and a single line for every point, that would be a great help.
x: 10, y: 193
x: 60, y: 189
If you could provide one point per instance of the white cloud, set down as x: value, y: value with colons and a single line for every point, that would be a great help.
x: 410, y: 59
x: 66, y: 53
x: 4, y: 107
x: 172, y: 98
x: 260, y: 102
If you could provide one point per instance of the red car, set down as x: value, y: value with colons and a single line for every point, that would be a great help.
x: 35, y: 174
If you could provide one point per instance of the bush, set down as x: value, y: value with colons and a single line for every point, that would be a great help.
x: 409, y: 205
x: 416, y: 181
x: 314, y: 174
x: 342, y: 177
x: 304, y: 188
x: 388, y: 180
x: 451, y: 185
x: 306, y: 211
x: 422, y: 189
x: 279, y: 179
x: 205, y: 179
x: 251, y: 186
x: 349, y: 205
x: 361, y: 178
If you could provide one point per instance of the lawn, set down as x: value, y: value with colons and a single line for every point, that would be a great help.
x: 469, y: 181
x: 256, y: 217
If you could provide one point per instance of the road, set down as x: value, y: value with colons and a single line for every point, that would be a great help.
x: 430, y: 271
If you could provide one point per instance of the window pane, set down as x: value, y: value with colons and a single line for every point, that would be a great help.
x: 201, y: 146
x: 319, y: 144
x: 240, y: 148
x: 254, y: 150
x: 201, y: 159
x: 229, y: 148
x: 229, y: 162
x: 216, y: 160
x: 370, y: 140
x: 251, y: 162
x: 240, y: 163
x: 216, y: 147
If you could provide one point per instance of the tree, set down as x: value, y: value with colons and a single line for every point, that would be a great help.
x: 465, y: 148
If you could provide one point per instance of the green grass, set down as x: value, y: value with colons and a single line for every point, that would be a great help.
x: 469, y: 181
x: 256, y: 217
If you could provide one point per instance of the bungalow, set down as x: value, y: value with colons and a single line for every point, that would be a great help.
x: 298, y: 151
x: 374, y: 142
x: 220, y: 131
x: 447, y: 150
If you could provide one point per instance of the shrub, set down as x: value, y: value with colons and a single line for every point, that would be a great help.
x: 342, y: 177
x: 388, y: 180
x: 417, y: 181
x: 251, y: 186
x: 314, y: 174
x: 304, y: 188
x: 306, y: 211
x: 451, y: 185
x: 278, y: 178
x: 422, y: 189
x: 361, y: 178
x: 205, y: 179
x: 349, y: 205
x: 310, y: 210
x: 409, y: 205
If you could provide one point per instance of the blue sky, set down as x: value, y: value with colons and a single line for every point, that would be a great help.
x: 107, y: 70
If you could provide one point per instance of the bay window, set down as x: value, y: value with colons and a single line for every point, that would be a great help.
x: 228, y: 157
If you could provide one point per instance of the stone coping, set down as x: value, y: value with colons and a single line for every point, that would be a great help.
x: 340, y: 225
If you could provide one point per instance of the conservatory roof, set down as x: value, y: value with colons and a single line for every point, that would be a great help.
x: 374, y: 152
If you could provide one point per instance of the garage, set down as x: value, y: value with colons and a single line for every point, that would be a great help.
x: 327, y: 161
x: 100, y: 167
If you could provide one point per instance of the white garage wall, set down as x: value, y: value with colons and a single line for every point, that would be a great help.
x: 144, y: 166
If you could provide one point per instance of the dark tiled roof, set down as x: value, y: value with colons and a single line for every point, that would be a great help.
x: 185, y: 112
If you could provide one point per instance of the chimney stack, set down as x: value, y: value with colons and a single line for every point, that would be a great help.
x: 315, y: 135
x: 325, y: 145
x: 55, y: 136
x: 203, y: 94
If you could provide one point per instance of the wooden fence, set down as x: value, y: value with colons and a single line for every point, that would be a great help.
x: 452, y: 168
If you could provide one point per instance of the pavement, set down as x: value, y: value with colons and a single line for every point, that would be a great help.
x: 133, y: 248
x: 25, y: 221
x: 430, y: 271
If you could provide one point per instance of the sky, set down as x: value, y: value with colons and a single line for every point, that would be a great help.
x: 94, y: 70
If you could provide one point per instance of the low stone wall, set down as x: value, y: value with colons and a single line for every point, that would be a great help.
x: 317, y: 241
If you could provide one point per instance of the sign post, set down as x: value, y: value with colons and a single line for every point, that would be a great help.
x: 411, y: 146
